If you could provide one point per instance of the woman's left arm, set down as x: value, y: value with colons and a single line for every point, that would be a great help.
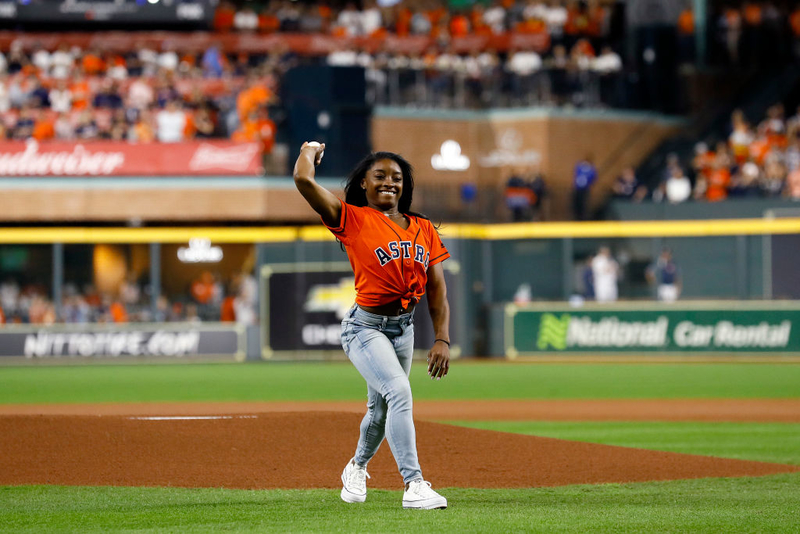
x: 439, y: 355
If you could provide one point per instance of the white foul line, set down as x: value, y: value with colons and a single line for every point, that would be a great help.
x: 192, y: 417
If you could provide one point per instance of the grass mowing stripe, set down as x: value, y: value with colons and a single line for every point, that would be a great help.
x: 340, y: 381
x: 766, y: 442
x: 767, y: 504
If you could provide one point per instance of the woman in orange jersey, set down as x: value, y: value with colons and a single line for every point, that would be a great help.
x: 396, y: 256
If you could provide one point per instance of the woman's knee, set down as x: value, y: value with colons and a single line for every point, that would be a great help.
x: 398, y: 392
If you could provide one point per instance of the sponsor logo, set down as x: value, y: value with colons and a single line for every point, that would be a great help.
x: 234, y: 158
x: 130, y: 343
x: 337, y: 298
x: 322, y: 334
x: 566, y: 331
x: 575, y: 332
x: 450, y: 158
x: 509, y: 152
x: 200, y: 251
x: 727, y: 334
x: 80, y: 161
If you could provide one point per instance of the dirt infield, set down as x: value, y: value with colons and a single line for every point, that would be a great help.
x: 161, y: 445
x: 729, y: 410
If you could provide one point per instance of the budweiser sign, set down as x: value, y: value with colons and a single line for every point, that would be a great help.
x: 106, y: 158
x: 75, y: 162
x: 235, y: 158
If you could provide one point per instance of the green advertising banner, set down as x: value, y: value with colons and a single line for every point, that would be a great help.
x: 718, y: 327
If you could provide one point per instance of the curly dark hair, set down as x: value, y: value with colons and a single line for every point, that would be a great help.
x: 357, y: 196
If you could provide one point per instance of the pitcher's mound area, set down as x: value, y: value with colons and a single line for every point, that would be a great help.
x: 309, y: 450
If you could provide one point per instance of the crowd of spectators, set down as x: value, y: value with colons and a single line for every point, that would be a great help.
x: 143, y: 96
x: 168, y: 95
x: 761, y: 160
x: 561, y: 20
x: 207, y: 299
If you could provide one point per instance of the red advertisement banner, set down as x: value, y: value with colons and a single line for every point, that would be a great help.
x: 306, y: 44
x: 106, y: 158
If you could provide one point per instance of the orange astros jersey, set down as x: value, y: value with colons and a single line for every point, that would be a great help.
x: 389, y: 262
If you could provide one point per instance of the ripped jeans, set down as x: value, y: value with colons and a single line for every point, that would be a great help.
x: 381, y: 348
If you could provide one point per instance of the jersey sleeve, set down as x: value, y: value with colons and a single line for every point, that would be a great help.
x: 437, y: 249
x: 349, y: 224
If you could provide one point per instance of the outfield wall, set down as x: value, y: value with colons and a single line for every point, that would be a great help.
x: 737, y: 260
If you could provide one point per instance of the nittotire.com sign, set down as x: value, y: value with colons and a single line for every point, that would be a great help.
x: 713, y: 328
x: 99, y: 341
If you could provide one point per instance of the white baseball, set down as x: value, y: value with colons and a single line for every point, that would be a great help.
x: 314, y: 144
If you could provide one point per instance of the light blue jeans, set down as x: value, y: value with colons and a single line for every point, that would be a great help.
x: 381, y: 348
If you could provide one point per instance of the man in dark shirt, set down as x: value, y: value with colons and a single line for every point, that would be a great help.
x: 667, y: 277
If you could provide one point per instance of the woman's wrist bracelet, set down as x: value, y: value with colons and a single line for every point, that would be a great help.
x: 442, y: 340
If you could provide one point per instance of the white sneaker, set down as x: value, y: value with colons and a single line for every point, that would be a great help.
x: 354, y: 482
x: 420, y: 495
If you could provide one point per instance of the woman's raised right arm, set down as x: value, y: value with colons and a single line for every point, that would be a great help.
x: 320, y: 199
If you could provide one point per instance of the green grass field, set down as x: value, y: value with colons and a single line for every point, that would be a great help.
x: 340, y: 381
x: 766, y: 504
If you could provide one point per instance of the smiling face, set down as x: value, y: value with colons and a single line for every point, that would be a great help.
x: 383, y: 183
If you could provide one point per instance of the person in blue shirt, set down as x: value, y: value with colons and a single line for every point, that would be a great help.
x: 584, y: 177
x: 666, y: 275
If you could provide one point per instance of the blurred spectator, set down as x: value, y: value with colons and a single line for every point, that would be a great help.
x: 108, y: 97
x: 666, y: 276
x: 86, y: 128
x: 61, y: 62
x: 246, y: 298
x: 5, y: 96
x: 224, y: 17
x: 677, y: 188
x: 245, y: 20
x: 204, y: 126
x: 168, y: 59
x: 142, y: 131
x: 686, y: 38
x: 36, y: 94
x: 140, y: 94
x: 23, y: 128
x: 745, y: 183
x: 63, y: 128
x: 257, y: 127
x: 519, y: 198
x: 212, y: 62
x: 251, y: 98
x: 192, y: 315
x: 605, y: 272
x: 627, y: 187
x: 117, y: 312
x: 607, y: 62
x: 584, y: 177
x: 587, y: 278
x: 773, y: 180
x: 171, y: 123
x: 43, y: 128
x: 203, y: 288
x: 793, y: 185
x: 523, y: 65
x: 60, y: 97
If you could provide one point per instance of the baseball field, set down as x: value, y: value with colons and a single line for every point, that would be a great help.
x: 515, y: 447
